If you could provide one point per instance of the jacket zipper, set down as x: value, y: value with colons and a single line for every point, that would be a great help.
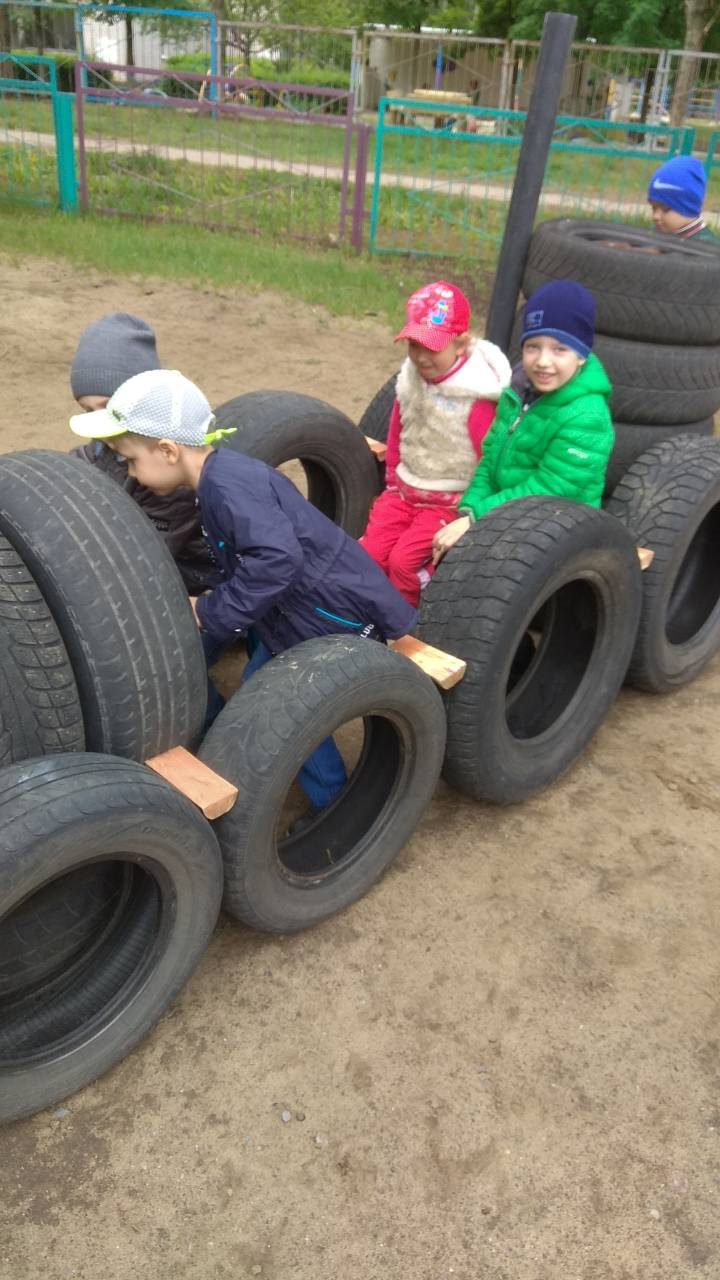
x: 523, y: 410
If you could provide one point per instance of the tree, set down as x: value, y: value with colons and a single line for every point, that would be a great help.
x: 700, y: 17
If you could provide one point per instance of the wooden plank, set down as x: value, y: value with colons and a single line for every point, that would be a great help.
x: 378, y: 447
x: 443, y: 668
x: 645, y: 556
x: 211, y: 793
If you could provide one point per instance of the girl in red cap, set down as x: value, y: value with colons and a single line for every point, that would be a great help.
x: 446, y: 393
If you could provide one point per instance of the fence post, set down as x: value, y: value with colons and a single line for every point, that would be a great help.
x: 378, y: 170
x: 358, y: 207
x: 505, y: 78
x: 558, y: 31
x: 80, y: 116
x: 347, y: 145
x: 65, y: 152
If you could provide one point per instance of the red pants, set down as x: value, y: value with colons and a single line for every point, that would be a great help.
x: 399, y: 538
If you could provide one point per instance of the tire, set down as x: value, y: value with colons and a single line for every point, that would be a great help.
x: 39, y: 703
x: 631, y: 440
x: 376, y: 418
x: 55, y: 926
x: 671, y: 294
x: 63, y: 812
x: 279, y: 426
x: 265, y: 733
x: 116, y: 598
x: 659, y: 386
x: 565, y: 574
x: 670, y: 502
x: 663, y: 386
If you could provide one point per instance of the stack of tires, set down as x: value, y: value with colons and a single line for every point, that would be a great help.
x: 657, y: 325
x: 110, y: 879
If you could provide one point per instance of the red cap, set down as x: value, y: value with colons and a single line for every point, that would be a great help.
x: 435, y: 315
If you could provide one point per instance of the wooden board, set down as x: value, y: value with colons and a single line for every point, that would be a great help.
x: 378, y: 447
x: 211, y: 793
x: 443, y: 668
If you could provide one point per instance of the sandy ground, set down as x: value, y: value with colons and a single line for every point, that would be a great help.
x: 502, y: 1064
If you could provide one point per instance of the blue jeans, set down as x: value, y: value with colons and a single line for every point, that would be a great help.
x: 323, y: 776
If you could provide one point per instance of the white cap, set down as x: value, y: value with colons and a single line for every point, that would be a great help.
x: 159, y: 403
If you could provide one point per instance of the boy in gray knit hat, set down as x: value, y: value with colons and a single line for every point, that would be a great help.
x: 111, y: 350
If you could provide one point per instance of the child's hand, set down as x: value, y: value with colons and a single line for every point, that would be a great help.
x: 193, y: 605
x: 446, y: 537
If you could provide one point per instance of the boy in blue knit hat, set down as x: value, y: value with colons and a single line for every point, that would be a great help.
x: 675, y: 193
x: 552, y: 432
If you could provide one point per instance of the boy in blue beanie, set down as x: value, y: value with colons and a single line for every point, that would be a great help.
x: 552, y: 432
x: 676, y: 192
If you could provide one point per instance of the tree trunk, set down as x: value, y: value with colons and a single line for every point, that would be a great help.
x: 7, y: 69
x: 696, y: 14
x: 129, y: 44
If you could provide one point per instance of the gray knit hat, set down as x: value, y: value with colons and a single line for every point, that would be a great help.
x: 111, y: 350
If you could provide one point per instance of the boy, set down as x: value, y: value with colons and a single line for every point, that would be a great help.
x: 445, y: 399
x: 553, y: 431
x: 676, y: 192
x: 109, y: 351
x: 285, y: 570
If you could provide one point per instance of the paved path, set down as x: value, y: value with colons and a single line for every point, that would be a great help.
x: 409, y: 182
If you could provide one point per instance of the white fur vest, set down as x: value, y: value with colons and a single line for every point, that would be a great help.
x: 436, y: 451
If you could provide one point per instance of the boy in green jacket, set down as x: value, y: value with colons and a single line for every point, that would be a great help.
x: 552, y: 432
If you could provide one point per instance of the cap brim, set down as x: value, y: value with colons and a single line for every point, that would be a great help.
x: 432, y: 337
x: 98, y: 425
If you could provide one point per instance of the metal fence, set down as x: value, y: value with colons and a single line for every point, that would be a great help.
x: 444, y: 173
x: 36, y: 134
x: 262, y: 156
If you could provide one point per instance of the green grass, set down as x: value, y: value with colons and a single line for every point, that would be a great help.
x: 484, y: 161
x: 342, y: 283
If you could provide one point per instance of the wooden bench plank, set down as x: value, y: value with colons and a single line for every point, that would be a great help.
x: 378, y: 447
x: 443, y: 668
x: 212, y: 794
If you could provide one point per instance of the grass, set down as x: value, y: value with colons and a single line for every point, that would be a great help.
x: 342, y: 283
x: 459, y: 156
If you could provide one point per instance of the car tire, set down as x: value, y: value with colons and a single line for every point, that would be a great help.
x: 60, y: 813
x: 280, y: 426
x: 669, y: 500
x: 567, y: 576
x: 662, y: 289
x: 284, y: 883
x: 117, y: 600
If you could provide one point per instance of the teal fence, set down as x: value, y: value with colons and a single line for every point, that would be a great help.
x: 444, y: 174
x: 37, y: 159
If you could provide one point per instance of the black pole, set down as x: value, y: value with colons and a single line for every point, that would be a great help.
x: 558, y: 32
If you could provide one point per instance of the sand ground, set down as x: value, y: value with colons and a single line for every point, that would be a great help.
x: 502, y: 1064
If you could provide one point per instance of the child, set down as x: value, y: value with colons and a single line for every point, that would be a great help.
x: 446, y: 395
x: 676, y: 192
x: 285, y: 570
x: 111, y: 350
x: 553, y: 431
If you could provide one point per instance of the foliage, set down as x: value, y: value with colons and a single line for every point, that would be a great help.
x: 64, y: 66
x: 260, y: 69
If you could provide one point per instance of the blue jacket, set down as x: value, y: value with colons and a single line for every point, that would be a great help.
x: 287, y: 570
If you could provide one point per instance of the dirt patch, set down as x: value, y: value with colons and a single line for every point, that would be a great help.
x: 503, y: 1063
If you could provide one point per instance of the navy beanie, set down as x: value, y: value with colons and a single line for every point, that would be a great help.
x: 111, y: 350
x: 680, y: 184
x: 562, y: 309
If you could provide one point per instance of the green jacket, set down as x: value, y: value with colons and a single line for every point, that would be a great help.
x: 557, y: 444
x: 706, y: 235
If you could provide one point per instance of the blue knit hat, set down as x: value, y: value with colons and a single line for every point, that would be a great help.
x: 563, y: 309
x: 680, y: 184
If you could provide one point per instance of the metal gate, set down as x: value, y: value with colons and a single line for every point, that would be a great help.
x: 37, y: 160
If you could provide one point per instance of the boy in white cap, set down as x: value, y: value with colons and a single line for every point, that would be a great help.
x: 284, y: 569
